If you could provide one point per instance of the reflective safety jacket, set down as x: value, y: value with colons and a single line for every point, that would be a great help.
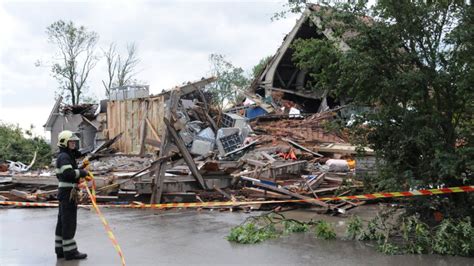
x: 67, y: 171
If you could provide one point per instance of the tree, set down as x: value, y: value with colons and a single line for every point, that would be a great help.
x: 76, y: 47
x: 229, y: 80
x: 260, y: 67
x: 110, y: 57
x: 16, y: 145
x: 413, y: 62
x: 121, y: 70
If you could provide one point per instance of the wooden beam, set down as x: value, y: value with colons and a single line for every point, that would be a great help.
x: 22, y: 194
x: 280, y: 79
x: 212, y: 122
x: 191, y: 87
x: 153, y: 130
x: 153, y: 143
x: 225, y: 194
x: 304, y: 94
x: 266, y: 193
x: 317, y: 181
x: 160, y: 170
x: 286, y: 192
x: 301, y: 147
x: 292, y: 78
x: 143, y: 129
x: 185, y: 153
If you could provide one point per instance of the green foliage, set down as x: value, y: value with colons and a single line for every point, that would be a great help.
x: 293, y: 226
x: 251, y: 233
x: 16, y: 145
x: 260, y: 67
x: 388, y: 248
x: 454, y: 237
x: 256, y: 229
x: 323, y: 230
x: 411, y: 235
x: 354, y: 228
x: 229, y: 80
x: 411, y: 61
x: 416, y: 235
x: 372, y: 231
x: 321, y: 59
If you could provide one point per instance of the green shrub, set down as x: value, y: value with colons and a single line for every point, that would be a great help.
x: 250, y: 233
x: 293, y: 226
x: 416, y: 235
x: 372, y: 232
x: 454, y: 237
x: 323, y: 230
x: 16, y: 145
x: 388, y: 248
x: 354, y: 228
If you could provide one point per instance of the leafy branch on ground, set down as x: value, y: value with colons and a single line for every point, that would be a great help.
x: 412, y: 236
x: 257, y: 229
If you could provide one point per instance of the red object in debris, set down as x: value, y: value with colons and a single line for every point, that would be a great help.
x: 289, y: 155
x: 438, y: 216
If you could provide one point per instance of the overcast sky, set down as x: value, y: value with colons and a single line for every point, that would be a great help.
x: 174, y: 41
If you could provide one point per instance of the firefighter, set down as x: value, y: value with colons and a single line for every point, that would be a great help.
x: 69, y: 176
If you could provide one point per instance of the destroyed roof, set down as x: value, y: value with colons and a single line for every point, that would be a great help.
x: 54, y: 113
x: 188, y: 87
x: 273, y: 79
x: 86, y: 110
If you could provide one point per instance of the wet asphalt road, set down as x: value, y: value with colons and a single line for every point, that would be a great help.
x: 180, y: 238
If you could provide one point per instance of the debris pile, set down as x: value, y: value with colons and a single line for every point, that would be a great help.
x: 256, y: 151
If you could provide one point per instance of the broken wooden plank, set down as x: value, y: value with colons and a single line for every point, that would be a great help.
x: 160, y: 170
x: 193, y: 86
x: 137, y: 174
x: 211, y: 122
x: 312, y: 201
x: 153, y: 143
x: 310, y: 188
x: 268, y: 156
x: 106, y: 198
x: 241, y: 148
x: 256, y: 163
x: 315, y: 182
x: 343, y: 148
x: 22, y: 194
x: 185, y: 153
x: 225, y: 194
x: 153, y: 130
x: 301, y: 147
x: 266, y: 193
x: 143, y: 129
x: 329, y: 189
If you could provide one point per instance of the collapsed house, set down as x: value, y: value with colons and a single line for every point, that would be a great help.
x: 87, y: 120
x: 176, y: 147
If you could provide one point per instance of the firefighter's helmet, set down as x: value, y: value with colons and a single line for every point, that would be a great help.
x: 65, y: 136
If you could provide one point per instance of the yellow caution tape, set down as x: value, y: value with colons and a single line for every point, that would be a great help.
x: 104, y: 221
x: 421, y: 192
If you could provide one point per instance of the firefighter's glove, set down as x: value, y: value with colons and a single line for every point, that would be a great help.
x: 89, y: 176
x: 85, y: 163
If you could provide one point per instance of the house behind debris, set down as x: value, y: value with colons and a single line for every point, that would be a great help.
x: 86, y: 120
x: 281, y: 78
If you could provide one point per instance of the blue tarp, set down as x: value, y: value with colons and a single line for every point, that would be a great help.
x: 254, y: 112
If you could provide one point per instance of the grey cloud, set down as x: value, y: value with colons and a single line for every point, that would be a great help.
x: 174, y: 39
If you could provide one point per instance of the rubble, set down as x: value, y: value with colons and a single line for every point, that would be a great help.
x: 255, y: 152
